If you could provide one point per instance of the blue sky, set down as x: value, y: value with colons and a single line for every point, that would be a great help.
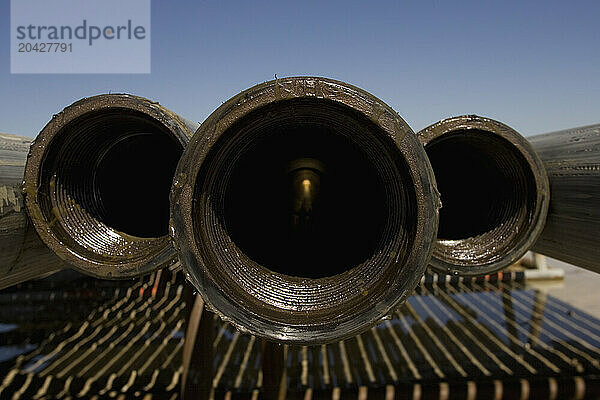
x: 532, y: 65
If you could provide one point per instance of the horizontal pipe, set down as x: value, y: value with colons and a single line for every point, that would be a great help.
x: 23, y: 255
x: 97, y: 183
x: 494, y: 194
x: 304, y: 210
x: 572, y: 159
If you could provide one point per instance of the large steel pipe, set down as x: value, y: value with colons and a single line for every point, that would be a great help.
x: 572, y: 160
x: 97, y: 184
x: 494, y: 193
x: 23, y: 255
x: 304, y: 210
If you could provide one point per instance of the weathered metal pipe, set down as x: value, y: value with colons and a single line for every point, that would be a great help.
x: 494, y: 192
x: 572, y: 161
x: 304, y: 210
x: 23, y: 255
x: 97, y: 184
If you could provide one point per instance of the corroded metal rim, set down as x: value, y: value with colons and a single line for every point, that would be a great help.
x: 145, y: 254
x: 286, y: 308
x: 500, y: 256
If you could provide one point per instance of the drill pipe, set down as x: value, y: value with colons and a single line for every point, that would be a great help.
x: 572, y: 161
x: 494, y: 193
x: 304, y: 210
x: 23, y: 255
x: 97, y: 183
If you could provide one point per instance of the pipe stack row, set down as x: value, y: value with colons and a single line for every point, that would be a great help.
x: 303, y: 210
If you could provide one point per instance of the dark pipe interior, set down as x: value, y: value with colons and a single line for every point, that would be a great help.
x: 245, y: 196
x: 484, y: 183
x: 133, y: 179
x: 346, y: 219
x: 331, y: 257
x: 107, y: 171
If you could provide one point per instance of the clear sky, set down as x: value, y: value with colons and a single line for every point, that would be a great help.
x: 532, y: 65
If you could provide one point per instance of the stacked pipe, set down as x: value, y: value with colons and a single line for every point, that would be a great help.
x: 97, y: 181
x: 270, y: 258
x: 503, y: 195
x: 572, y: 159
x: 303, y: 210
x: 494, y: 192
x: 23, y: 255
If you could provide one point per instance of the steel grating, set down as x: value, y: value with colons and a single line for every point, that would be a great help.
x: 492, y: 337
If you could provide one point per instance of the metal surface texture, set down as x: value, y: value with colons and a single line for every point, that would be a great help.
x: 572, y: 160
x: 97, y: 184
x: 494, y: 193
x: 229, y: 208
x: 23, y: 256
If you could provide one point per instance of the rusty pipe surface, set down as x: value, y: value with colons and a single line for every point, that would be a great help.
x: 494, y: 193
x: 23, y: 255
x: 572, y: 160
x: 304, y: 210
x: 97, y: 183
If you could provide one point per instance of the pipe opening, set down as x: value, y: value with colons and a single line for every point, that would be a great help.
x: 104, y: 184
x: 354, y: 235
x: 488, y: 194
x: 336, y: 227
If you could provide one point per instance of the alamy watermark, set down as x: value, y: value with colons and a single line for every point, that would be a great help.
x: 80, y: 36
